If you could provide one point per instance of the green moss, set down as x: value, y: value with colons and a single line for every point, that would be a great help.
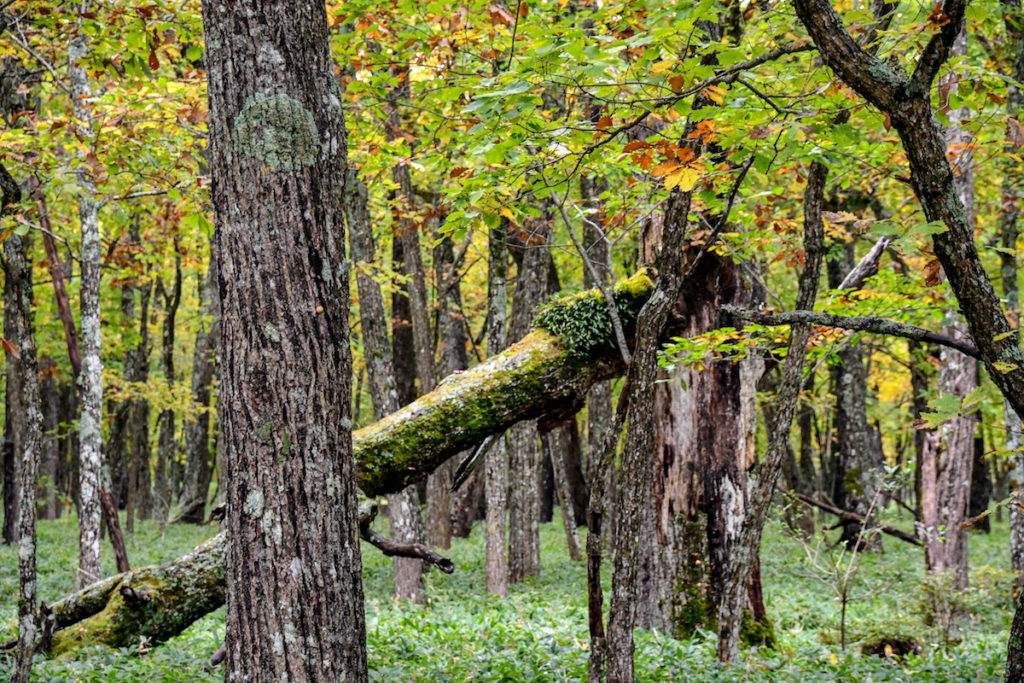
x: 757, y: 633
x: 278, y: 131
x: 583, y: 321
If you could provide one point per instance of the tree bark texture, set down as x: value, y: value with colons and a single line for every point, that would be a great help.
x: 949, y: 452
x: 277, y: 160
x: 90, y: 382
x: 735, y: 593
x: 523, y: 439
x: 28, y: 436
x: 139, y: 498
x: 859, y: 464
x: 496, y: 459
x: 636, y: 474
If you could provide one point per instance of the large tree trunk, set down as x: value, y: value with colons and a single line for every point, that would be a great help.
x: 295, y: 601
x: 198, y: 467
x: 536, y: 377
x: 19, y: 330
x: 91, y: 379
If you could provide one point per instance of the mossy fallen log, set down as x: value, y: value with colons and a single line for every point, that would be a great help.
x: 546, y: 373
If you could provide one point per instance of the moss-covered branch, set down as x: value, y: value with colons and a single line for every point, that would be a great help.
x: 546, y: 372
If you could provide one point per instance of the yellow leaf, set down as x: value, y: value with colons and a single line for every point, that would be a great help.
x: 714, y: 93
x: 664, y: 168
x: 663, y: 66
x: 684, y: 178
x: 507, y: 213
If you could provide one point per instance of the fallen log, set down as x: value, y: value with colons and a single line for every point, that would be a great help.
x: 544, y: 375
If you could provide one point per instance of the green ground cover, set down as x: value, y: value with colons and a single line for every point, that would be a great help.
x: 540, y: 632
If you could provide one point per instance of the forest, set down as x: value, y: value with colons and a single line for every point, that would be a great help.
x: 494, y: 340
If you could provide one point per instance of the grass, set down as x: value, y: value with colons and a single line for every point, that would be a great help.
x: 540, y: 632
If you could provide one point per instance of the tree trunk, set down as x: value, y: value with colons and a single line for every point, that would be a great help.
x: 139, y: 500
x: 198, y: 466
x: 523, y: 439
x: 403, y: 507
x: 949, y: 452
x: 554, y: 448
x: 634, y: 498
x: 1008, y: 233
x: 165, y: 440
x: 859, y: 471
x: 496, y: 459
x: 49, y: 454
x: 91, y: 379
x: 19, y: 330
x: 295, y: 601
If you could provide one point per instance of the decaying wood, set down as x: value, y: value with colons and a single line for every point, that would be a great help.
x: 536, y: 376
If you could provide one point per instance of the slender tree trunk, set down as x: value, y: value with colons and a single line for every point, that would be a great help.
x: 139, y: 500
x: 91, y: 379
x: 496, y: 460
x: 277, y: 160
x: 554, y: 448
x: 165, y: 440
x: 1008, y: 233
x: 859, y: 464
x: 949, y: 452
x: 634, y: 498
x: 28, y: 440
x: 403, y: 507
x: 745, y: 560
x: 523, y: 439
x: 198, y: 465
x: 49, y: 454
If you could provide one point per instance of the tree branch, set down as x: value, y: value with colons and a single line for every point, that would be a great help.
x: 395, y: 549
x: 859, y: 323
x: 936, y: 52
x: 848, y: 517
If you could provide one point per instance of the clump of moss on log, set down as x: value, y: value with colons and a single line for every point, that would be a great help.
x: 583, y: 320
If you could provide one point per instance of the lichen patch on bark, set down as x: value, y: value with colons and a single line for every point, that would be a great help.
x: 278, y: 131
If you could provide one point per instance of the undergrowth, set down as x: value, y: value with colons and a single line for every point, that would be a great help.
x: 540, y: 632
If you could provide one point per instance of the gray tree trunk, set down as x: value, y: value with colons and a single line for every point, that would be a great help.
x: 277, y: 160
x: 28, y: 436
x: 403, y: 507
x: 496, y: 460
x: 91, y: 379
x: 139, y: 499
x: 165, y: 448
x: 198, y: 465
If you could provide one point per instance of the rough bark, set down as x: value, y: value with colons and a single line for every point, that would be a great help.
x: 91, y: 378
x: 403, y: 507
x: 523, y: 439
x: 19, y: 330
x: 198, y: 466
x: 949, y: 452
x: 1009, y: 214
x: 981, y: 488
x: 277, y: 160
x: 496, y: 459
x: 747, y: 549
x: 634, y: 494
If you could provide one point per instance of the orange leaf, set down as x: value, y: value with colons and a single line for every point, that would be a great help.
x: 933, y: 272
x: 154, y: 63
x: 10, y: 348
x: 665, y: 168
x: 677, y: 83
x: 604, y: 122
x: 635, y: 145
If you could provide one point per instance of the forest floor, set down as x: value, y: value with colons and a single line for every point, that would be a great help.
x: 540, y: 632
